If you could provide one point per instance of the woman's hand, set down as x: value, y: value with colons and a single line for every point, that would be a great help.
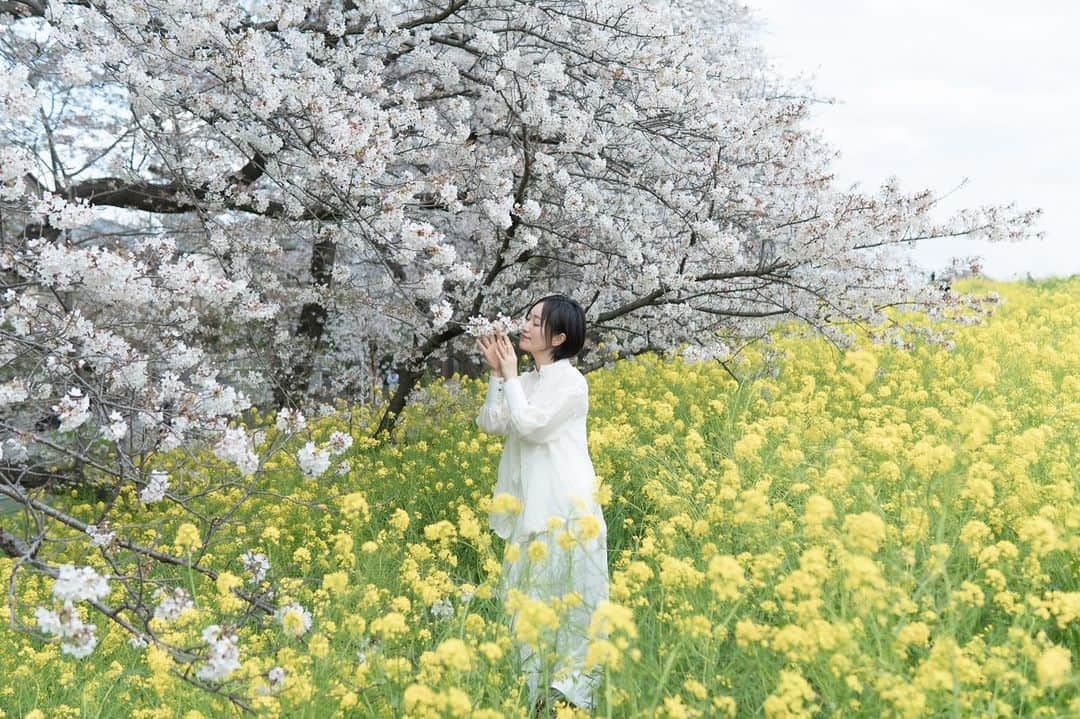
x: 488, y: 346
x: 508, y: 359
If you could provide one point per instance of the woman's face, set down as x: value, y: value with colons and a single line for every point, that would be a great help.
x: 532, y: 338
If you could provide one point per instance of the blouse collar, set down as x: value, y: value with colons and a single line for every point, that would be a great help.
x: 549, y: 366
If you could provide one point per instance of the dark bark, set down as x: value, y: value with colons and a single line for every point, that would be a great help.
x: 12, y: 546
x: 407, y: 380
x: 409, y: 374
x: 42, y: 230
x: 175, y: 198
x: 293, y: 384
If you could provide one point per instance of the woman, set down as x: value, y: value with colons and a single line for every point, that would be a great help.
x: 559, y: 532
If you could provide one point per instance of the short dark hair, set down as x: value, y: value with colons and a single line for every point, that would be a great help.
x: 562, y: 314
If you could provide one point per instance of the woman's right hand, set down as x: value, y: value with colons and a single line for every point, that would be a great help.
x: 490, y: 352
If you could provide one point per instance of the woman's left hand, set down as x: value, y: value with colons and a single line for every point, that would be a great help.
x: 508, y: 359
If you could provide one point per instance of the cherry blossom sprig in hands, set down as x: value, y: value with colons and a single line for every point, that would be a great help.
x: 488, y: 334
x: 479, y: 326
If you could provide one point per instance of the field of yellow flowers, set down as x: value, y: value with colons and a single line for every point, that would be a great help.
x: 879, y: 532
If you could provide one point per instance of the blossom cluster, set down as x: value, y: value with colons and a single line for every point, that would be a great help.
x: 223, y: 655
x: 481, y: 326
x: 72, y: 585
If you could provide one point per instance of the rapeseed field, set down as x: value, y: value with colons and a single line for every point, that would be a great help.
x: 883, y: 531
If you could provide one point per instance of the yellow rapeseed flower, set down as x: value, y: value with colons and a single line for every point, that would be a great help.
x: 538, y: 550
x: 504, y: 503
x: 588, y: 527
x: 335, y: 582
x: 792, y: 698
x: 390, y: 625
x: 726, y: 576
x: 455, y: 654
x: 1053, y: 667
x: 319, y: 646
x: 399, y: 520
x: 355, y: 504
x: 187, y: 537
x: 864, y: 531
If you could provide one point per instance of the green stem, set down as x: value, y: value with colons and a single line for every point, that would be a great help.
x: 191, y: 577
x: 667, y: 670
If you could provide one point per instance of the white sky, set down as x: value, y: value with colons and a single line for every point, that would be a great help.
x: 934, y: 91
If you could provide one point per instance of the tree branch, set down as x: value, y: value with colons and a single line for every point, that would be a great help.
x: 452, y: 8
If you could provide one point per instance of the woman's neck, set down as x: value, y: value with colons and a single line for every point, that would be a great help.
x: 542, y: 360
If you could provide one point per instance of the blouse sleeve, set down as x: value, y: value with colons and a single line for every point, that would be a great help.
x: 493, y: 415
x: 540, y: 420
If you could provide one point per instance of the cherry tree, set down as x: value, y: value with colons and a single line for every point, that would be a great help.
x: 208, y: 206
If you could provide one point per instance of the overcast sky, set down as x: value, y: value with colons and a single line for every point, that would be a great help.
x: 934, y: 91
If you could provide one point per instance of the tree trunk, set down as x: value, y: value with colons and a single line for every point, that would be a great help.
x: 407, y: 380
x: 293, y: 383
x: 409, y: 374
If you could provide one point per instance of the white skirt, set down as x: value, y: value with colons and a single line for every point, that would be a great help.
x: 558, y: 659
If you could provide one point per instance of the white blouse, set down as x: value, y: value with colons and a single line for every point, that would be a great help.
x: 545, y: 463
